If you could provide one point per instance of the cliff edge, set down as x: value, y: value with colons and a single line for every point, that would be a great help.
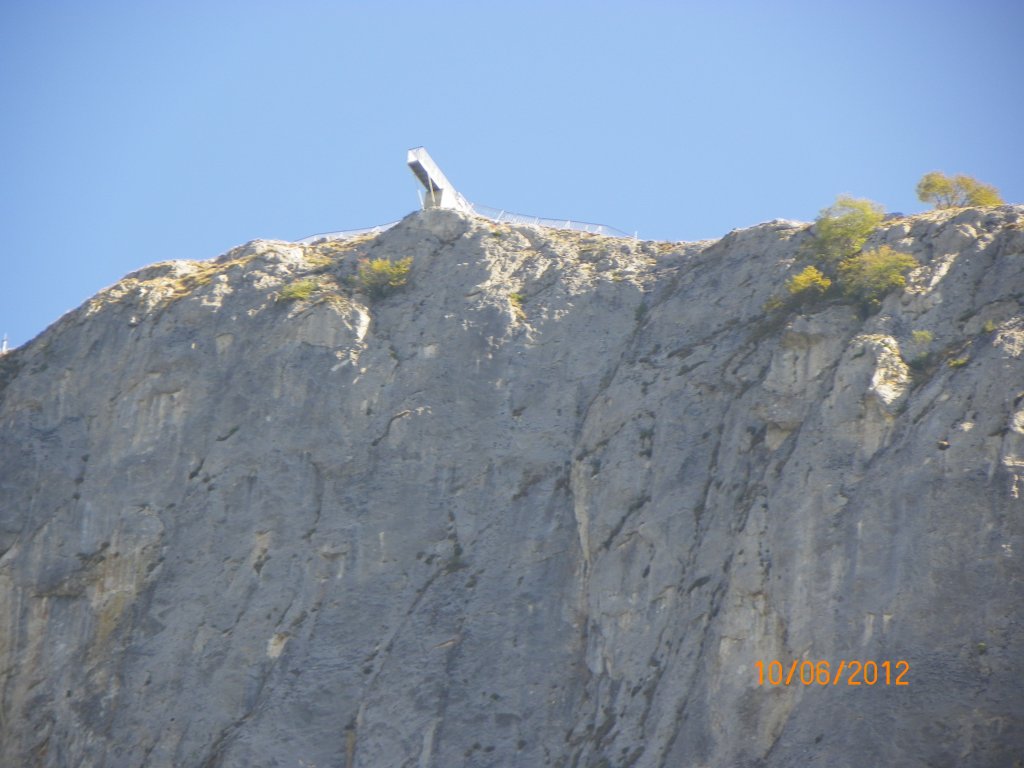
x: 562, y: 502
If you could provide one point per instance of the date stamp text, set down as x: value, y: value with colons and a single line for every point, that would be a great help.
x: 845, y: 672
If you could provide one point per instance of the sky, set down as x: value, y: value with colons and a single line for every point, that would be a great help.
x: 136, y: 131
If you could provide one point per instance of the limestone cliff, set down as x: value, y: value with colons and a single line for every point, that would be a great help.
x: 550, y: 506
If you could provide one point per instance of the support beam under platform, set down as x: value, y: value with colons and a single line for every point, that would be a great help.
x: 439, y: 191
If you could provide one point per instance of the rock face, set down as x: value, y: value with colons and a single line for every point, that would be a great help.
x: 560, y: 503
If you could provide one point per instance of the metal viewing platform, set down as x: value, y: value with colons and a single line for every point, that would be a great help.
x: 440, y: 193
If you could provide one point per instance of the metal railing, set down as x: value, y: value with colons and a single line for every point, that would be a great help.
x: 495, y: 214
x: 346, y: 234
x: 484, y: 212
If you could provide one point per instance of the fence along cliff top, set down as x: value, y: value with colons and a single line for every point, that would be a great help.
x: 441, y: 193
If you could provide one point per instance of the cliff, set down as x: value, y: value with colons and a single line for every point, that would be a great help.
x: 549, y: 506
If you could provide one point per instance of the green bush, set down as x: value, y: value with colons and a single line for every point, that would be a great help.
x: 300, y: 290
x: 869, y: 276
x: 841, y: 229
x: 382, y: 277
x: 810, y: 283
x: 958, y: 191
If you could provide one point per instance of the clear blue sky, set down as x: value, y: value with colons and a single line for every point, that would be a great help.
x: 139, y: 131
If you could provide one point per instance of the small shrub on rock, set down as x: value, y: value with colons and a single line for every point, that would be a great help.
x: 869, y: 276
x: 811, y: 283
x: 300, y: 290
x: 802, y: 289
x: 517, y: 300
x: 382, y: 277
x: 920, y: 345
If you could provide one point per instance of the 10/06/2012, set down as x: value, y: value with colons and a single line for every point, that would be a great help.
x: 820, y: 673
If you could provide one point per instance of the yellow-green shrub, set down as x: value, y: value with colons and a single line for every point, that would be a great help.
x: 809, y: 283
x: 381, y: 277
x: 300, y: 290
x: 841, y: 229
x: 869, y: 276
x: 955, y: 191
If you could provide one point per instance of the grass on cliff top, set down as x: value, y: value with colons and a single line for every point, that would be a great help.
x: 323, y: 254
x: 158, y: 286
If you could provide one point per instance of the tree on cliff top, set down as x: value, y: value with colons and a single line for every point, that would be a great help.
x: 958, y: 191
x: 841, y: 230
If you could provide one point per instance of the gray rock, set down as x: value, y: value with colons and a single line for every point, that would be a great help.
x: 551, y: 505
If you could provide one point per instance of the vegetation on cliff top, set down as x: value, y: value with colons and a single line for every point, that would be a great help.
x: 841, y: 230
x: 958, y: 191
x: 839, y: 267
